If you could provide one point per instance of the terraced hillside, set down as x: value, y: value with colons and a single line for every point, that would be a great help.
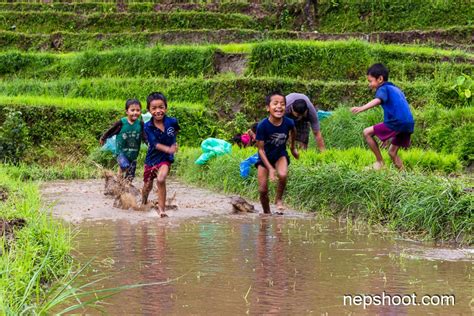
x: 79, y: 61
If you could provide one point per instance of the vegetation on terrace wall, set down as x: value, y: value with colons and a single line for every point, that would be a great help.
x: 58, y: 133
x: 350, y: 60
x: 69, y: 41
x: 47, y: 22
x: 332, y: 15
x: 163, y: 62
x: 384, y: 15
x: 340, y: 60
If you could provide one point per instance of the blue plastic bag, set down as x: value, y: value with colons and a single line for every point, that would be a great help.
x: 146, y: 117
x: 213, y: 147
x: 247, y: 164
x: 323, y: 114
x: 110, y: 145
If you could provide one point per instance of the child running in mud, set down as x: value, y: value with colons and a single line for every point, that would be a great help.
x: 130, y: 133
x: 398, y: 121
x: 246, y: 139
x: 272, y: 135
x: 161, y: 133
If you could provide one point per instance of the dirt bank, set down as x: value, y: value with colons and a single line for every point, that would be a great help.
x: 84, y: 200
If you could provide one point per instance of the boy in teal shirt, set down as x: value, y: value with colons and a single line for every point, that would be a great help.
x: 130, y: 133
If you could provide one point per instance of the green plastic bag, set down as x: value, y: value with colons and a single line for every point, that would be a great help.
x: 213, y: 147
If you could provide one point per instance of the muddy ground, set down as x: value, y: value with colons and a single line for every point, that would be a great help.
x: 84, y: 200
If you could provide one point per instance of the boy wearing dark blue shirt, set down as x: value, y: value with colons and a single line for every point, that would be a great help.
x: 272, y: 135
x: 398, y: 121
x: 161, y: 133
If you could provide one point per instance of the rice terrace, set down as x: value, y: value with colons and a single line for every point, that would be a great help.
x: 236, y: 157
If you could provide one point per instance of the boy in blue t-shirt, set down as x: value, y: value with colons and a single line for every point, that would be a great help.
x: 398, y: 123
x: 161, y: 133
x: 272, y: 135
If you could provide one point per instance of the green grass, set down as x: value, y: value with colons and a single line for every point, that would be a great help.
x: 349, y: 60
x: 225, y: 93
x: 43, y: 242
x: 384, y: 15
x: 65, y: 41
x: 47, y: 22
x: 84, y: 103
x: 333, y: 60
x: 174, y: 61
x: 422, y: 205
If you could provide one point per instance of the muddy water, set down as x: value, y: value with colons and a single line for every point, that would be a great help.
x: 225, y: 264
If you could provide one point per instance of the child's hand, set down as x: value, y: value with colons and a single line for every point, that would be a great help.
x: 356, y: 109
x: 272, y: 175
x: 172, y: 149
x: 295, y: 153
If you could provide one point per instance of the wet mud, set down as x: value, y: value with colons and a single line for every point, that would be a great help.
x: 85, y: 200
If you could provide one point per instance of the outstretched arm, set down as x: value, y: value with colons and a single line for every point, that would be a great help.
x: 114, y: 130
x: 319, y: 140
x: 371, y: 104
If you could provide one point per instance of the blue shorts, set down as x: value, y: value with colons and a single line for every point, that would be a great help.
x: 271, y: 161
x: 128, y: 166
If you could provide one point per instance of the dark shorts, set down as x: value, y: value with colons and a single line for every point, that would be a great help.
x: 383, y: 132
x: 127, y: 166
x: 150, y: 172
x: 271, y: 161
x: 302, y: 131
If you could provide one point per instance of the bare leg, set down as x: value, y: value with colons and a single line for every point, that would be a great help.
x: 393, y: 153
x: 262, y: 176
x: 282, y: 171
x: 161, y: 183
x: 147, y: 187
x: 369, y: 137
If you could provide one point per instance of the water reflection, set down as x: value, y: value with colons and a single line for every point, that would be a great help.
x: 264, y: 265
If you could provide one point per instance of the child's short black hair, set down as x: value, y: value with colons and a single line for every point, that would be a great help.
x: 130, y: 102
x: 268, y: 98
x: 237, y: 139
x: 377, y: 70
x: 300, y: 106
x: 155, y: 96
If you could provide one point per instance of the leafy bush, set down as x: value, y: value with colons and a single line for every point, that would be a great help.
x: 14, y: 137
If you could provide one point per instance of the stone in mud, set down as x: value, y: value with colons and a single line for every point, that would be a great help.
x: 239, y: 205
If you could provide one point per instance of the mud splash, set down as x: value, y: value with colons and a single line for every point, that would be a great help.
x: 84, y: 200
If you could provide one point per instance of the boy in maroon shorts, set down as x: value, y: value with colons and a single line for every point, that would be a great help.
x: 161, y: 132
x: 398, y: 123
